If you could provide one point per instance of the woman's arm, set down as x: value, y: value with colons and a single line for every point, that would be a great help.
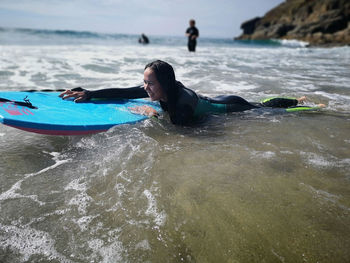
x: 81, y: 95
x: 126, y: 93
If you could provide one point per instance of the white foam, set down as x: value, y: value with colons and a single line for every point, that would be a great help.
x: 143, y: 245
x: 287, y: 152
x: 325, y: 161
x: 344, y: 163
x: 317, y: 160
x: 76, y: 185
x: 12, y: 193
x: 120, y: 189
x: 228, y: 88
x: 333, y: 96
x: 112, y: 252
x: 152, y: 210
x: 84, y: 222
x: 82, y: 201
x: 293, y: 43
x: 95, y: 243
x: 29, y: 241
x: 264, y: 155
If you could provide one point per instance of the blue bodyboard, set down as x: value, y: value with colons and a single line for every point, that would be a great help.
x: 49, y: 114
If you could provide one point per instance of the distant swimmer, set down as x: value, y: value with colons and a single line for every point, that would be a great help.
x: 143, y: 39
x: 183, y: 105
x: 192, y: 33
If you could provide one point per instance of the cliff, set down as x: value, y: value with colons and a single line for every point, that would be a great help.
x: 319, y: 22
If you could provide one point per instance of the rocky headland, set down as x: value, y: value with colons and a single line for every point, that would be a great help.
x: 318, y: 22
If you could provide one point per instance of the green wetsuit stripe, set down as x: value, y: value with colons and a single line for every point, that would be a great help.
x: 206, y: 107
x: 301, y: 109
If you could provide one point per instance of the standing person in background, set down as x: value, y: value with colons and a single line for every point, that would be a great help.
x: 192, y: 33
x: 143, y: 39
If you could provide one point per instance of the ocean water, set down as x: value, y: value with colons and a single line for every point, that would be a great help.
x: 257, y: 186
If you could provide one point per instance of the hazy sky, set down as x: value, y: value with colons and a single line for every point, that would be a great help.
x: 215, y: 18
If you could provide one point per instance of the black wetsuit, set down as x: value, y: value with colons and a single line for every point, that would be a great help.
x: 192, y: 31
x: 190, y: 106
x: 143, y: 39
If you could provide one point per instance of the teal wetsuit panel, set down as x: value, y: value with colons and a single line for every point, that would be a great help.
x: 205, y: 107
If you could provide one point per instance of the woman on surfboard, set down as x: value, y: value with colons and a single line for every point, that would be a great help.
x: 183, y: 105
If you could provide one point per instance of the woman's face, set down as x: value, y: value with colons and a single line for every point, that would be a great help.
x: 152, y: 86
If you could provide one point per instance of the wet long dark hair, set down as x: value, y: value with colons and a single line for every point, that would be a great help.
x: 166, y: 77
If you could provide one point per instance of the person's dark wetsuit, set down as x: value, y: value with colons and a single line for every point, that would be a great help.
x: 190, y: 106
x: 143, y: 39
x: 192, y: 31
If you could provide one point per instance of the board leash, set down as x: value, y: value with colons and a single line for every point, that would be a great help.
x: 25, y: 102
